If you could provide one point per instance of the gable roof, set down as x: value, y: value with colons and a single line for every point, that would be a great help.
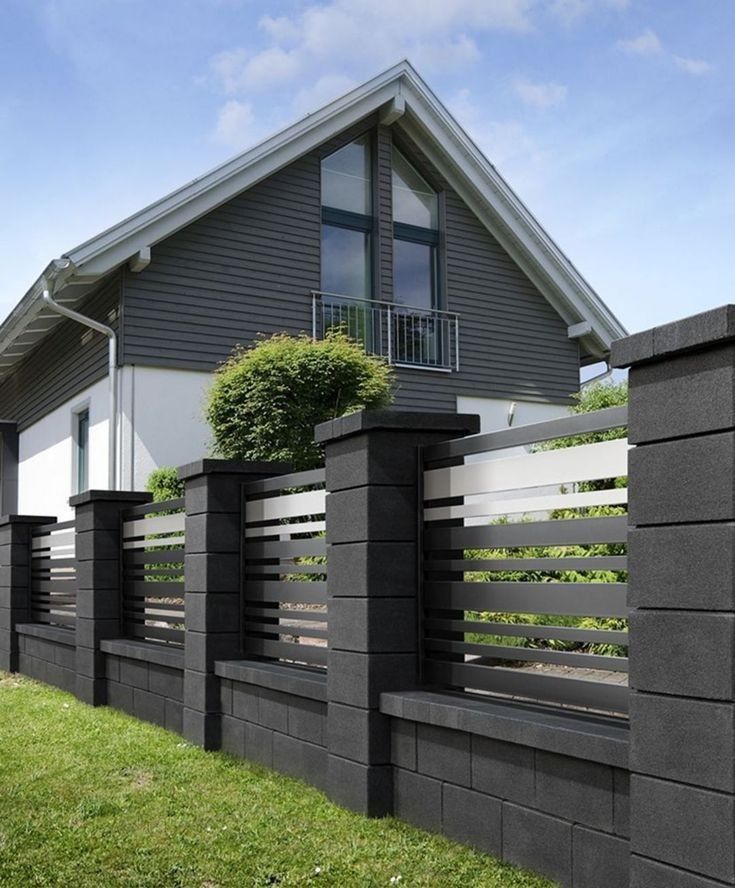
x: 399, y: 95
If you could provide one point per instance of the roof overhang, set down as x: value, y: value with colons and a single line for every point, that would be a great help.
x: 402, y: 98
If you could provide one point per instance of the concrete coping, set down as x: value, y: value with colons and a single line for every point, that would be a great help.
x: 454, y: 424
x: 147, y: 651
x: 578, y: 735
x: 110, y: 496
x: 301, y: 681
x: 231, y: 467
x: 709, y: 328
x: 59, y: 634
x: 27, y: 519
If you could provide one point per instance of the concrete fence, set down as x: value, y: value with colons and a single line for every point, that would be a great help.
x: 311, y: 620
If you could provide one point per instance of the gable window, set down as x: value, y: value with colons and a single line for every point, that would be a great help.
x: 347, y: 220
x: 81, y: 451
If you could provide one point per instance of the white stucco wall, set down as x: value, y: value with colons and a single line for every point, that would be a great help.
x: 45, y: 454
x: 494, y: 413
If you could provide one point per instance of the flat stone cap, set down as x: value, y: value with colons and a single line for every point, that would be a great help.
x: 231, y: 467
x: 458, y: 424
x: 26, y: 519
x: 714, y: 327
x: 110, y: 496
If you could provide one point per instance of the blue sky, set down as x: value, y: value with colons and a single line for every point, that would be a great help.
x: 613, y: 119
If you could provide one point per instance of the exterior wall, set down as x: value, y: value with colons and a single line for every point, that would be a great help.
x: 493, y: 412
x: 48, y: 654
x: 67, y: 363
x: 249, y: 266
x: 162, y: 420
x: 45, y: 454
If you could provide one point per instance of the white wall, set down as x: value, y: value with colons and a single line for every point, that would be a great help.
x: 494, y: 413
x: 163, y: 420
x: 45, y: 454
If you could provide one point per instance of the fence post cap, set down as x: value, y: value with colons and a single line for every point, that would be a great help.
x: 458, y: 424
x: 110, y: 496
x: 26, y: 519
x: 231, y: 467
x: 708, y: 328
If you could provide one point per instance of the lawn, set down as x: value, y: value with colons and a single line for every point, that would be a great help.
x: 92, y: 797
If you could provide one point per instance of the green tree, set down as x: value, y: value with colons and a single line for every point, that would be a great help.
x: 164, y: 484
x: 266, y: 399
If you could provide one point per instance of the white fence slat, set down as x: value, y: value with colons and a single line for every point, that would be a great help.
x: 292, y: 505
x: 154, y: 524
x: 606, y: 459
x: 154, y: 544
x: 284, y: 531
x: 54, y: 541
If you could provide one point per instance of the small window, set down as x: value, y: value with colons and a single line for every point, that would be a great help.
x: 414, y: 200
x: 346, y: 180
x: 82, y: 451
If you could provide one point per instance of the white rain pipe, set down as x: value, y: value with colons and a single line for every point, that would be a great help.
x: 599, y: 377
x: 48, y: 281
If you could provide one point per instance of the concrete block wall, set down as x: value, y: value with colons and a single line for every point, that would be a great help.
x: 48, y: 654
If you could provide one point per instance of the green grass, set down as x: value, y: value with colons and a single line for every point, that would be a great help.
x: 92, y: 797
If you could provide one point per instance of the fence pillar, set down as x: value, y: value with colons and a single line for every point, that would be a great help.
x: 682, y: 600
x: 372, y: 478
x: 98, y: 516
x: 212, y: 584
x: 15, y: 582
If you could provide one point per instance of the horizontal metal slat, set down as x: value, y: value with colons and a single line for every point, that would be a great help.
x: 45, y: 562
x: 590, y: 563
x: 52, y: 619
x: 286, y: 650
x: 576, y: 659
x: 141, y: 527
x: 169, y: 590
x: 534, y: 433
x: 285, y: 629
x: 284, y: 482
x: 567, y: 599
x: 312, y: 502
x: 527, y: 630
x: 283, y: 549
x: 258, y: 570
x: 296, y: 592
x: 63, y: 540
x: 155, y: 544
x: 155, y: 633
x: 152, y: 508
x: 43, y: 529
x: 573, y: 531
x: 315, y: 616
x: 530, y: 685
x: 285, y: 530
x: 136, y: 557
x: 548, y: 502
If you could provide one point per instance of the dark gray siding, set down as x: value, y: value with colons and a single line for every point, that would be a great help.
x: 68, y: 361
x: 247, y: 268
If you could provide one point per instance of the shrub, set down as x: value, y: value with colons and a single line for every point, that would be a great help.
x: 266, y: 399
x: 164, y: 484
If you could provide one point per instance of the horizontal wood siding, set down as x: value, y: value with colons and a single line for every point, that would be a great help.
x: 247, y: 268
x: 68, y: 361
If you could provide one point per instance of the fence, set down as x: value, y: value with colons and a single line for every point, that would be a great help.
x: 153, y: 538
x: 53, y: 574
x: 285, y: 568
x: 493, y: 610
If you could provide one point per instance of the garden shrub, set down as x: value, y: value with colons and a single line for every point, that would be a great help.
x: 266, y: 399
x: 164, y: 484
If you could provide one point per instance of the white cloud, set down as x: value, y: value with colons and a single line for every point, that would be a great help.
x: 323, y: 90
x: 646, y: 43
x: 695, y: 67
x: 235, y: 125
x: 569, y: 11
x: 540, y: 95
x: 240, y: 71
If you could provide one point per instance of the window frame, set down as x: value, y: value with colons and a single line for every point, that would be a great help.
x: 81, y: 454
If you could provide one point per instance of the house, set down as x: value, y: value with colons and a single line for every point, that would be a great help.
x: 377, y: 212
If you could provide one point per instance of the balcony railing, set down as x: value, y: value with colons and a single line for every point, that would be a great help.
x: 402, y: 334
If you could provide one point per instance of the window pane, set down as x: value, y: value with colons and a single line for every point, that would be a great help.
x: 346, y: 178
x: 414, y: 200
x: 414, y: 274
x: 345, y: 262
x: 82, y: 451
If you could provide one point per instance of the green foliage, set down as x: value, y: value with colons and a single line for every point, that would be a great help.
x: 164, y: 484
x: 266, y: 400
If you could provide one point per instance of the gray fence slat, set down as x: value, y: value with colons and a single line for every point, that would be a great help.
x: 574, y: 531
x: 257, y: 550
x: 285, y: 650
x: 577, y: 659
x: 285, y: 482
x: 296, y: 592
x: 527, y: 630
x: 585, y: 563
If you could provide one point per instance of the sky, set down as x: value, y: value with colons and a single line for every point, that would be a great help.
x: 614, y: 120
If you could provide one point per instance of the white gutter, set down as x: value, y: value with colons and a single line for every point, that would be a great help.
x: 48, y: 281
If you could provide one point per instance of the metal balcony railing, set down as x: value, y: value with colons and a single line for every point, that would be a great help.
x: 402, y: 334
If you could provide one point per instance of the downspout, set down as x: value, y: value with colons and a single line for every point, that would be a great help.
x: 48, y: 281
x: 599, y: 377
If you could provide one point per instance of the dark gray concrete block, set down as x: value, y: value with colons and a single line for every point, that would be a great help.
x: 621, y: 802
x: 685, y: 654
x: 403, y: 744
x: 112, y: 668
x: 92, y: 691
x: 651, y: 874
x: 690, y: 567
x: 143, y: 651
x: 259, y: 744
x: 575, y: 789
x: 690, y: 741
x: 174, y: 715
x: 382, y: 514
x: 417, y: 799
x: 90, y: 632
x: 203, y: 649
x: 212, y: 533
x: 631, y: 349
x: 120, y: 696
x: 307, y: 720
x: 201, y: 691
x: 695, y: 332
x: 213, y: 494
x: 211, y: 612
x: 362, y: 735
x: 149, y: 707
x: 89, y: 662
x: 444, y: 754
x: 366, y: 789
x: 599, y: 861
x: 444, y: 425
x: 166, y: 681
x: 359, y: 679
x: 233, y: 736
x: 297, y: 758
x: 702, y: 385
x: 300, y: 681
x: 202, y: 728
x: 673, y: 482
x: 505, y: 770
x: 99, y: 574
x: 538, y: 842
x: 683, y: 826
x: 134, y: 674
x: 103, y: 544
x: 472, y: 818
x: 375, y: 625
x: 207, y: 572
x: 225, y: 696
x: 245, y: 702
x: 273, y: 710
x: 374, y: 569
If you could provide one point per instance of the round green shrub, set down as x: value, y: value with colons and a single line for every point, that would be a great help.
x: 164, y: 484
x: 266, y: 399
